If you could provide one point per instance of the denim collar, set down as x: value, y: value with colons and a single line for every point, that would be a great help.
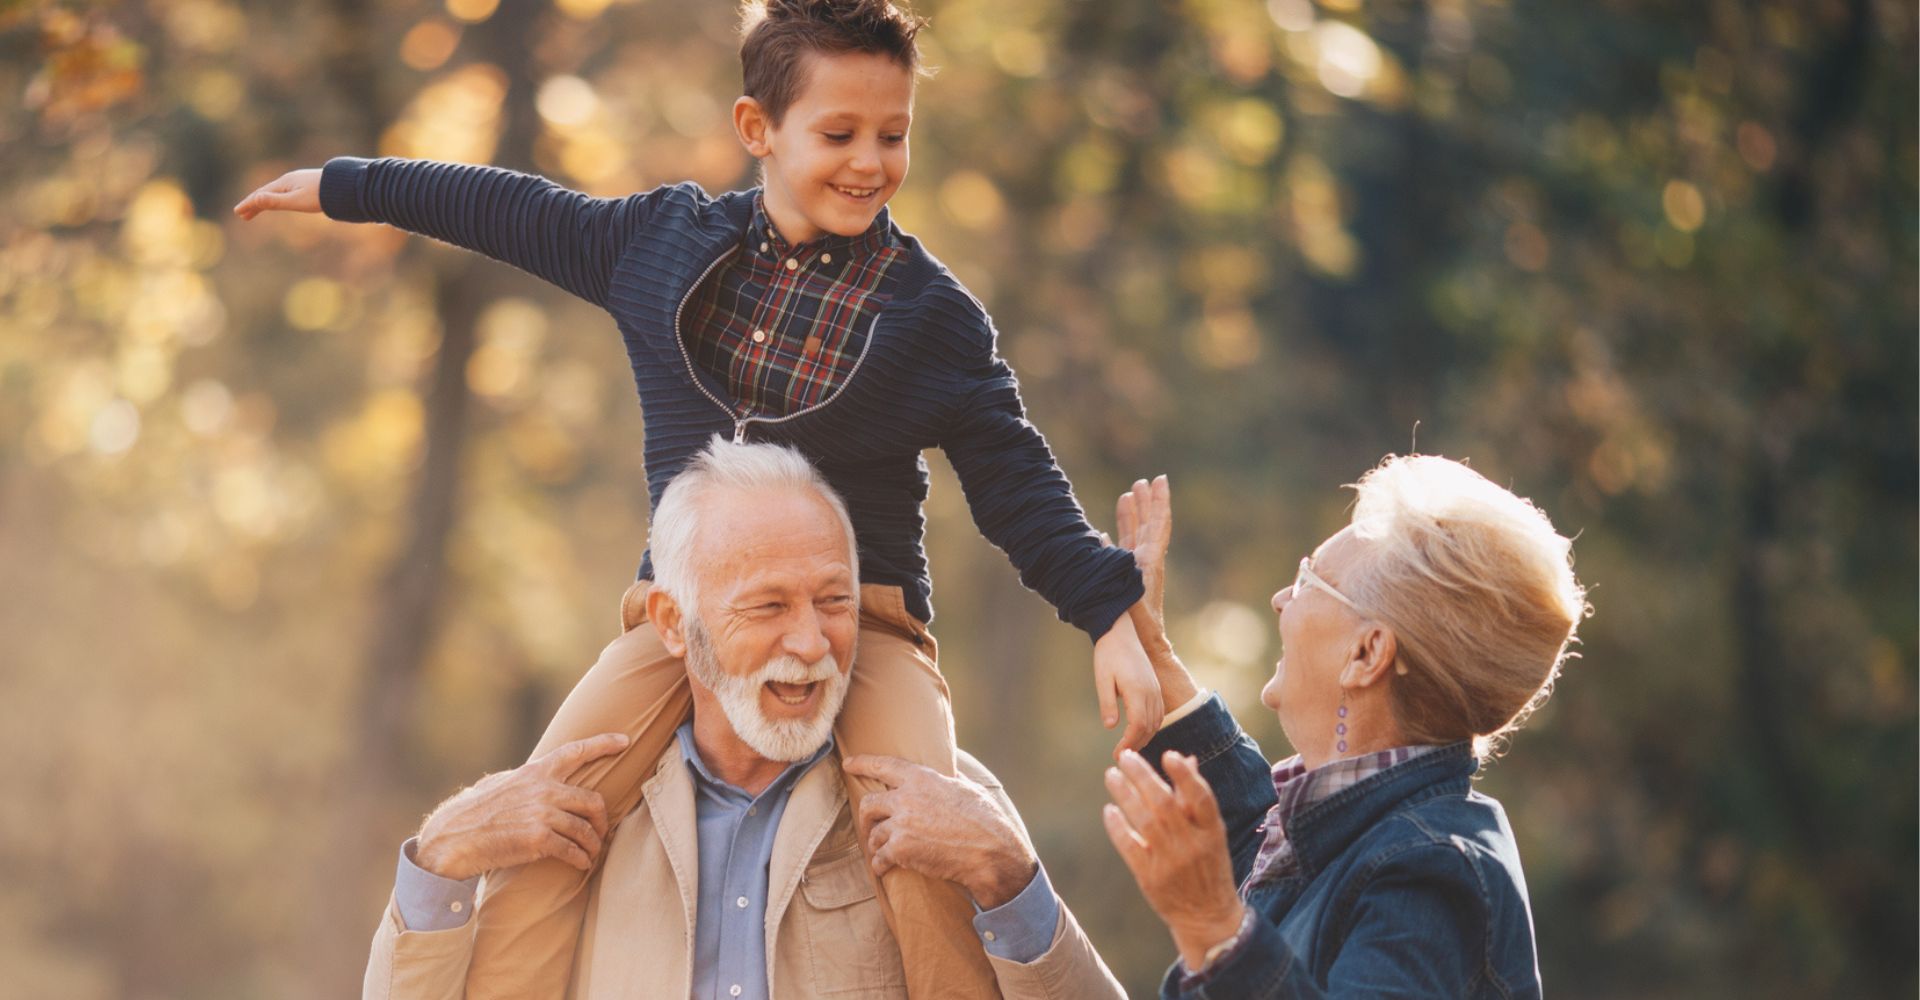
x: 1321, y: 831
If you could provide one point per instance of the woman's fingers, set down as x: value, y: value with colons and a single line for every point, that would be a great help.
x: 1191, y: 790
x: 1132, y: 849
x: 1146, y: 802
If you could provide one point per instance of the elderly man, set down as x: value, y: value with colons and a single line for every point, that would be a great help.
x: 740, y: 873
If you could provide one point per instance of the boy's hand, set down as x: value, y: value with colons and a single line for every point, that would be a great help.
x: 295, y: 191
x: 1122, y: 672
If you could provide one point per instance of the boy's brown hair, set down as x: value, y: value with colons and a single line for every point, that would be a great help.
x: 779, y: 35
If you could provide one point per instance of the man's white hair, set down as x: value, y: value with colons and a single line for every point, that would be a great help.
x: 740, y: 468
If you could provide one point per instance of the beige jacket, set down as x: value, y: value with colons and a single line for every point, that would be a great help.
x: 825, y: 932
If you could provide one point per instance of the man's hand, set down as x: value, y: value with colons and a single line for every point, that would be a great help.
x: 1176, y: 845
x: 1122, y: 672
x: 944, y: 828
x: 513, y: 817
x: 295, y: 191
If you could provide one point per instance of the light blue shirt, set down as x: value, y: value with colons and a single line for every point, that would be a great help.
x: 736, y: 834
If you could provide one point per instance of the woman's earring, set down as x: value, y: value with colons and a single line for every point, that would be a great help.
x: 1340, y: 728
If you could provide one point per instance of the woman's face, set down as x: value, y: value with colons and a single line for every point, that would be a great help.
x: 1318, y: 636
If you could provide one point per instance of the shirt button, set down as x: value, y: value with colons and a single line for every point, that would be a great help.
x: 741, y: 902
x: 792, y: 264
x: 990, y: 936
x: 826, y: 258
x: 734, y: 990
x: 759, y: 336
x: 456, y: 906
x: 753, y: 810
x: 763, y: 246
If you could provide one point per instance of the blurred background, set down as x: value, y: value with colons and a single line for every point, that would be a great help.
x: 304, y: 525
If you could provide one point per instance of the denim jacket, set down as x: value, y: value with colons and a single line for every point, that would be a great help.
x: 1408, y: 884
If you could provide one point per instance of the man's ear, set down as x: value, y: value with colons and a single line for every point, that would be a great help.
x: 752, y: 123
x: 1375, y: 652
x: 664, y: 612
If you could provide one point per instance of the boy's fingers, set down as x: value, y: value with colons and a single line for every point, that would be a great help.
x: 1125, y: 519
x: 1139, y: 727
x: 1109, y: 714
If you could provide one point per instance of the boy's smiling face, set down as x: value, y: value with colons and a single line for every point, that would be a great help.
x: 840, y: 151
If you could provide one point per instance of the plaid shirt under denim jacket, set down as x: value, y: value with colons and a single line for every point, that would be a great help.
x: 1404, y: 884
x: 928, y: 374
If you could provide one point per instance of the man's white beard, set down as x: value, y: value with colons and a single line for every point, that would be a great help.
x: 775, y: 739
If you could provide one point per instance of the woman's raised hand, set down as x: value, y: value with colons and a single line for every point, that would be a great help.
x: 294, y: 191
x: 1144, y: 518
x: 1175, y: 843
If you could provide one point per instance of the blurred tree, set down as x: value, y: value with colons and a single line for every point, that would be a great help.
x: 357, y: 507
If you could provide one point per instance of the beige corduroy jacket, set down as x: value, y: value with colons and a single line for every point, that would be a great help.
x: 825, y: 932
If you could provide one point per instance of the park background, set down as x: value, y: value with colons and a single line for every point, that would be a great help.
x: 303, y: 525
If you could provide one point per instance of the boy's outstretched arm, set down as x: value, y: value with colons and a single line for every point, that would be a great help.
x: 570, y: 239
x: 1023, y: 503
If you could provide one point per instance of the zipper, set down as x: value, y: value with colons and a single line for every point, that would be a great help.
x: 739, y: 422
x: 740, y: 425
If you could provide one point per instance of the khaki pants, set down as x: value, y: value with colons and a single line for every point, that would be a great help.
x: 529, y: 918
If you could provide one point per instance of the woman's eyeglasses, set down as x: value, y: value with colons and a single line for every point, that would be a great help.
x: 1308, y: 576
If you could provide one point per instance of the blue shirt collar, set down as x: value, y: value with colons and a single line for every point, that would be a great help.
x: 691, y: 754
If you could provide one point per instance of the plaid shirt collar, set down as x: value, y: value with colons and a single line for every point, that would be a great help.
x: 1299, y: 789
x: 762, y: 232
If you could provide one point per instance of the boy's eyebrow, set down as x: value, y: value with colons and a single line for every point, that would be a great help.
x: 855, y: 118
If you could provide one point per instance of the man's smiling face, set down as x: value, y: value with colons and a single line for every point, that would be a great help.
x: 773, y: 638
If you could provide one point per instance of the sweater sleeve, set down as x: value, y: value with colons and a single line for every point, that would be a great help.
x: 570, y: 239
x: 1024, y: 505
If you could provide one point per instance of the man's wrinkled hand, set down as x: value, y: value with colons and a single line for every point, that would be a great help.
x: 944, y: 828
x: 515, y: 817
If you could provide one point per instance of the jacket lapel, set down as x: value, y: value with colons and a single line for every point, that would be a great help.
x: 815, y: 803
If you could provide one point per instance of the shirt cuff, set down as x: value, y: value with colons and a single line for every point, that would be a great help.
x: 1221, y: 953
x: 428, y: 902
x: 1191, y: 706
x: 1021, y: 929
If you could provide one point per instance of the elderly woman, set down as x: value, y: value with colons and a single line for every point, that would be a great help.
x: 1413, y: 640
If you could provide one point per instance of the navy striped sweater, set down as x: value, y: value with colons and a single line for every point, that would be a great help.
x: 930, y: 376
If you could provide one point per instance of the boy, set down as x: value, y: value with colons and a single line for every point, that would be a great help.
x: 795, y: 313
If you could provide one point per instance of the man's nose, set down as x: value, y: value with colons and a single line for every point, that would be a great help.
x: 1282, y: 597
x: 807, y: 638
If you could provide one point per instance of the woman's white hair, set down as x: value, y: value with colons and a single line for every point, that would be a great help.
x: 723, y: 465
x: 1478, y: 588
